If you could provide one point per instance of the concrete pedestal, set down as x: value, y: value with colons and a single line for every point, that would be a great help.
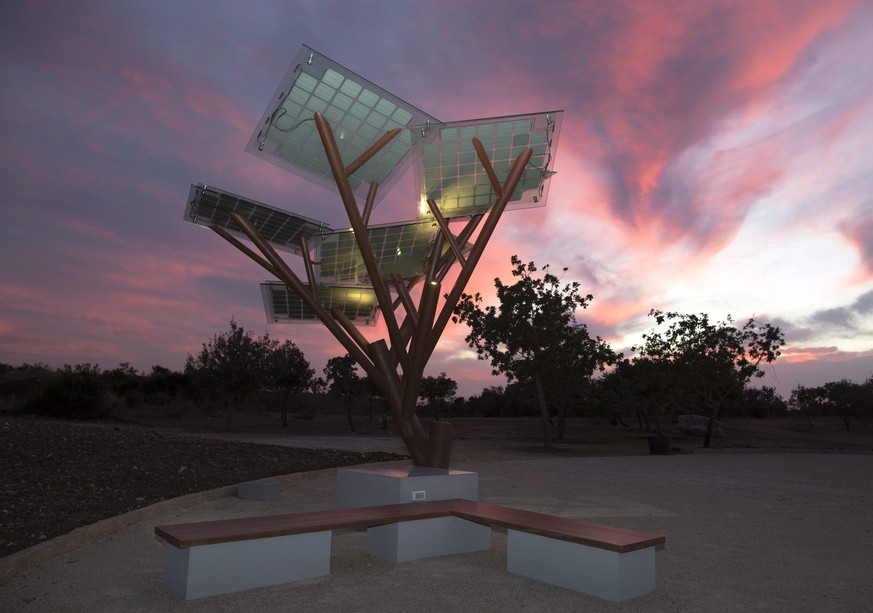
x: 373, y: 486
x: 207, y: 570
x: 605, y: 574
x: 405, y: 541
x: 263, y: 489
x: 411, y: 540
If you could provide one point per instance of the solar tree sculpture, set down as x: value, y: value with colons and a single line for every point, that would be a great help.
x: 357, y: 275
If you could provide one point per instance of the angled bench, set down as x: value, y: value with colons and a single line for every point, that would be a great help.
x: 215, y: 557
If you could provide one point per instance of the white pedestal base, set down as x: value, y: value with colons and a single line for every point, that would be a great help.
x: 365, y: 487
x: 207, y: 570
x: 605, y: 574
x: 405, y: 541
x: 411, y: 540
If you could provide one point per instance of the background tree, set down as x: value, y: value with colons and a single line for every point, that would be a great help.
x: 344, y: 382
x: 376, y: 400
x: 231, y: 366
x: 73, y: 392
x: 712, y: 360
x: 289, y: 371
x: 763, y: 402
x: 437, y: 391
x: 847, y: 400
x: 808, y: 401
x: 533, y: 334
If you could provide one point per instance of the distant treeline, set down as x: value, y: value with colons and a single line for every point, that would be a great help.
x: 85, y: 391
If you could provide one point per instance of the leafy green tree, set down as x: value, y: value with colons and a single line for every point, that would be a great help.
x: 437, y: 391
x: 344, y: 382
x: 533, y: 334
x: 289, y: 371
x: 712, y: 360
x: 231, y: 366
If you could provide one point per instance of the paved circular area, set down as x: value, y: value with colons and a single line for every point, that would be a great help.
x: 745, y: 532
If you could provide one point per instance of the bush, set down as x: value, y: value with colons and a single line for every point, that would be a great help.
x: 77, y: 392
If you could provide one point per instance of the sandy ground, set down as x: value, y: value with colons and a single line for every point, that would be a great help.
x: 745, y: 532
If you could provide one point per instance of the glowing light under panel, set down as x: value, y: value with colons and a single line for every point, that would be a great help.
x: 282, y: 304
x: 449, y: 171
x: 402, y: 249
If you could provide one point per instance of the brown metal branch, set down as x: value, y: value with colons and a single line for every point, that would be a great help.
x: 405, y: 298
x: 489, y: 169
x: 368, y: 205
x: 360, y: 232
x: 478, y: 248
x: 291, y: 280
x: 430, y: 295
x: 446, y: 232
x: 373, y: 150
x: 307, y: 262
x: 242, y: 247
x: 352, y: 330
x: 447, y: 260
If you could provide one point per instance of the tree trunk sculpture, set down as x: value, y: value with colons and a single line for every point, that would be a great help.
x: 396, y: 365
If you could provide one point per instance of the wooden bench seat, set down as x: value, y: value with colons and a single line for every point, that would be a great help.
x: 600, y: 536
x: 211, y: 557
x: 247, y: 528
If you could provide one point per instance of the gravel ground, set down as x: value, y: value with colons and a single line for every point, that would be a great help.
x: 57, y: 476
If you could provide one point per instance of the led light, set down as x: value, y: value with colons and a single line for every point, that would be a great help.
x: 400, y: 249
x: 449, y: 171
x: 282, y: 304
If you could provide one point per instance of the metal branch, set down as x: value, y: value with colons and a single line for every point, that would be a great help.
x: 360, y: 232
x: 444, y: 228
x: 447, y: 260
x: 236, y: 243
x: 291, y: 280
x: 489, y: 169
x: 478, y: 248
x: 368, y: 205
x: 373, y: 150
x: 405, y: 298
x: 351, y: 329
x: 307, y: 262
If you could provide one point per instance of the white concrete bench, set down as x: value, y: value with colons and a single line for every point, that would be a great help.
x: 215, y: 557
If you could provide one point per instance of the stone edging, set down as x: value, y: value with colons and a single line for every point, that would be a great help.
x: 23, y: 560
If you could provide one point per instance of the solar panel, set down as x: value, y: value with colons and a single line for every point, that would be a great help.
x: 358, y: 111
x: 283, y: 305
x: 399, y: 248
x: 449, y: 172
x: 210, y: 206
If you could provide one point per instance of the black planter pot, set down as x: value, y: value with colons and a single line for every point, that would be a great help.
x: 659, y: 445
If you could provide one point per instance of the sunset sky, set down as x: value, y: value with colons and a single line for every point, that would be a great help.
x: 715, y: 156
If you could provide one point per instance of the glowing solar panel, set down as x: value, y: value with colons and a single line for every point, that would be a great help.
x: 448, y: 169
x: 401, y: 248
x: 209, y: 206
x: 358, y: 111
x: 283, y: 305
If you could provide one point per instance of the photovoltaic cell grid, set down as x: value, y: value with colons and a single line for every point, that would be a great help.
x: 400, y: 248
x: 209, y: 206
x: 448, y: 169
x: 358, y: 112
x: 282, y: 304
